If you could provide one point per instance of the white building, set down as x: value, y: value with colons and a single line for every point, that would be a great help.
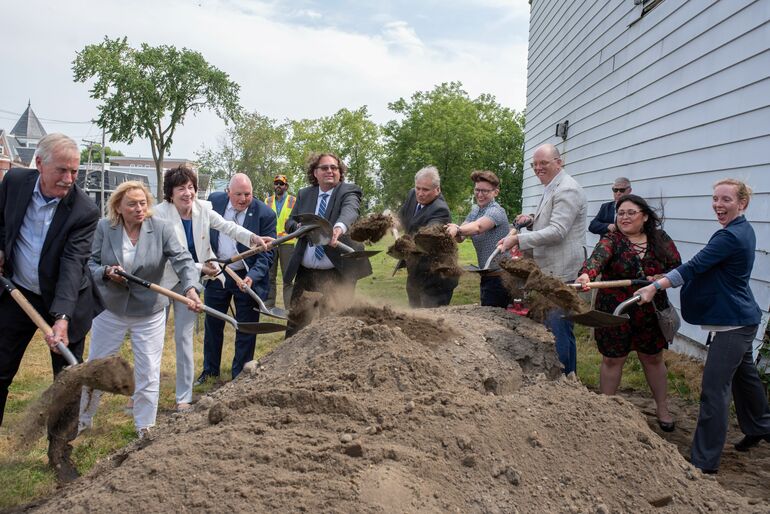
x: 672, y: 94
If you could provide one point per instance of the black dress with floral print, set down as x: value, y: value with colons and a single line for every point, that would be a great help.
x: 615, y: 258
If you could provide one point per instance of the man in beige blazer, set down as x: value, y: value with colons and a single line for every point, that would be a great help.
x: 556, y: 238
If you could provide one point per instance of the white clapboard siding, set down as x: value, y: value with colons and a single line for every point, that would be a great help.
x: 674, y: 100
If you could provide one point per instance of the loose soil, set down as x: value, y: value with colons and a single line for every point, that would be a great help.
x: 111, y: 374
x: 460, y: 409
x: 370, y: 229
x: 440, y: 248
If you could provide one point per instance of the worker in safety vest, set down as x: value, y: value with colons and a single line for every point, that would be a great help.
x: 282, y: 203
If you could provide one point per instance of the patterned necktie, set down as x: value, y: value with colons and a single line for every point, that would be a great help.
x: 319, y: 250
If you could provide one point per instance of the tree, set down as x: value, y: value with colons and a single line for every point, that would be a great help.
x: 446, y: 128
x: 148, y: 92
x: 96, y: 153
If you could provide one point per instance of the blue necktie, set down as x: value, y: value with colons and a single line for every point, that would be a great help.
x: 419, y: 208
x: 319, y: 250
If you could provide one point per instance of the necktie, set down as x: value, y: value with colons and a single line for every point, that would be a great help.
x: 319, y: 250
x: 419, y: 208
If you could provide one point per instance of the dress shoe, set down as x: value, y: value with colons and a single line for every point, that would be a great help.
x: 709, y: 471
x: 203, y: 377
x: 750, y: 441
x: 667, y: 426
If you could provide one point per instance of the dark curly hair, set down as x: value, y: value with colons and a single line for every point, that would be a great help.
x: 652, y: 227
x: 486, y: 176
x: 178, y: 176
x: 312, y: 163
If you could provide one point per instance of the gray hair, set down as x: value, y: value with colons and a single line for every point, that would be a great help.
x: 51, y: 142
x: 430, y: 172
x: 622, y: 181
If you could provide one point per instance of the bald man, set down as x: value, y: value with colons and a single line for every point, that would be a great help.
x: 237, y: 204
x: 556, y: 237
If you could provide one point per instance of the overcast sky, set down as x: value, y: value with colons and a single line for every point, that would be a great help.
x: 293, y: 59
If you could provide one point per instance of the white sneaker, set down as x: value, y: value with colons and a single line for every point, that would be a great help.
x: 144, y: 434
x: 183, y: 407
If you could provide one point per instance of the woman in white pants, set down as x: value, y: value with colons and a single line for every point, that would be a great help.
x: 130, y: 239
x: 192, y: 220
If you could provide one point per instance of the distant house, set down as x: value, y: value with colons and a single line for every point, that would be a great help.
x: 24, y: 137
x: 146, y: 166
x: 672, y: 94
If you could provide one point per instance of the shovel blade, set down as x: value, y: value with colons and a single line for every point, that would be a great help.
x: 360, y: 254
x: 260, y: 328
x: 598, y: 319
x: 273, y: 312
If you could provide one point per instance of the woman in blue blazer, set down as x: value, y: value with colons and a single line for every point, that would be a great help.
x: 716, y: 295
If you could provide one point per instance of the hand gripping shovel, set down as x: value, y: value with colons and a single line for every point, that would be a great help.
x: 36, y: 318
x: 485, y: 270
x: 246, y: 328
x: 274, y: 312
x: 317, y: 230
x: 599, y: 319
x: 326, y: 228
x: 401, y: 263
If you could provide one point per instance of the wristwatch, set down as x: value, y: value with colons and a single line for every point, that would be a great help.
x: 57, y: 316
x: 657, y: 285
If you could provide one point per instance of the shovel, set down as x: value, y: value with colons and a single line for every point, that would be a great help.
x: 599, y: 319
x: 401, y: 263
x: 485, y: 270
x: 316, y: 229
x: 612, y: 283
x: 246, y: 328
x: 326, y: 231
x: 274, y: 312
x: 36, y: 318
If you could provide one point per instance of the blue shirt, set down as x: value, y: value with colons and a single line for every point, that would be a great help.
x: 486, y: 243
x: 187, y: 224
x: 279, y: 203
x: 32, y: 234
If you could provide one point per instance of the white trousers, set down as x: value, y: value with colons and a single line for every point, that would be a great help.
x: 184, y: 322
x: 147, y: 335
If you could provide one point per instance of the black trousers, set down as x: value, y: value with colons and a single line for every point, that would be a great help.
x: 425, y: 288
x: 330, y: 282
x: 16, y: 331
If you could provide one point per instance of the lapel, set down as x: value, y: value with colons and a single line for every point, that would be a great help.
x: 248, y: 220
x: 176, y: 221
x: 143, y: 245
x: 198, y: 235
x: 543, y: 200
x: 116, y: 242
x: 24, y: 197
x: 59, y: 219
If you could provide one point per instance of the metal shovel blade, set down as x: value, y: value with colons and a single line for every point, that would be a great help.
x: 320, y: 236
x: 599, y: 319
x: 260, y: 328
x: 351, y: 253
x: 274, y: 312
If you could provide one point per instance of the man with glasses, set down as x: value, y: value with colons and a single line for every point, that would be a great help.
x: 47, y: 224
x: 605, y: 219
x: 322, y: 268
x: 236, y: 204
x: 282, y: 203
x: 425, y: 206
x: 556, y: 237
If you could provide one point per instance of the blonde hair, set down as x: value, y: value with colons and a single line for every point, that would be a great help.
x: 117, y: 196
x: 743, y: 191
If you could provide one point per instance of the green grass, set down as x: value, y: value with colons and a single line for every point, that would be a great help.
x: 25, y: 476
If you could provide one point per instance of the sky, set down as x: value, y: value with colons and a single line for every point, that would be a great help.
x: 293, y: 59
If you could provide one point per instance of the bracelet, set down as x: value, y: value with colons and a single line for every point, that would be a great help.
x: 657, y: 285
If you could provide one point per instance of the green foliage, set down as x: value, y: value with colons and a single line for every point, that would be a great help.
x: 446, y: 128
x: 147, y: 93
x: 96, y: 154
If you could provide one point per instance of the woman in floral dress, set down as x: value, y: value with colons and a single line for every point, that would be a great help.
x: 639, y: 249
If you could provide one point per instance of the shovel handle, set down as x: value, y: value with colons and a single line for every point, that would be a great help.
x: 491, y: 257
x: 36, y: 318
x: 612, y: 283
x: 249, y: 291
x: 275, y: 242
x: 153, y: 287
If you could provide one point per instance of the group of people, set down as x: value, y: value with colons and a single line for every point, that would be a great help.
x: 71, y: 266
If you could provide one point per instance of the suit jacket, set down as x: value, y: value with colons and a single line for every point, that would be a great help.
x: 557, y: 236
x: 204, y: 219
x: 343, y: 207
x: 65, y: 282
x: 259, y: 219
x: 157, y: 245
x: 436, y: 212
x: 604, y: 218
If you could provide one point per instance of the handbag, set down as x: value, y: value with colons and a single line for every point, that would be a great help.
x: 668, y: 320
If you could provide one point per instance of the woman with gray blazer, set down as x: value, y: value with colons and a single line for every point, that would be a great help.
x: 129, y: 239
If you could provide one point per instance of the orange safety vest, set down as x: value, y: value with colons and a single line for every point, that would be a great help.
x: 280, y: 222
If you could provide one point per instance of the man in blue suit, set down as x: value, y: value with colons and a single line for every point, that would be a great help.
x: 605, y: 219
x: 237, y: 204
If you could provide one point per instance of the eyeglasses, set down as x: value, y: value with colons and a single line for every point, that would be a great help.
x: 483, y: 191
x: 542, y: 163
x: 619, y: 189
x: 327, y: 167
x: 628, y: 214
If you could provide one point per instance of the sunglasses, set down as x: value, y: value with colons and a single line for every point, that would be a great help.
x: 619, y: 189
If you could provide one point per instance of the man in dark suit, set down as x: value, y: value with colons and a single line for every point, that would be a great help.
x: 322, y: 268
x: 605, y: 219
x: 46, y: 227
x: 236, y: 204
x: 424, y: 206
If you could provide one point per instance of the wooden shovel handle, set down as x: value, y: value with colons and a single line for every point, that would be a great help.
x: 612, y: 283
x: 233, y: 275
x: 153, y: 287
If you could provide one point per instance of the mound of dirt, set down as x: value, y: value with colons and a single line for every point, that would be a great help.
x: 371, y: 228
x: 460, y: 409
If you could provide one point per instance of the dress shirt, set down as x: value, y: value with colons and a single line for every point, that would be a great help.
x: 32, y: 234
x: 227, y: 245
x: 308, y: 259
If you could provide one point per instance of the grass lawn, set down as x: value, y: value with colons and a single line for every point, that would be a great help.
x: 25, y: 476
